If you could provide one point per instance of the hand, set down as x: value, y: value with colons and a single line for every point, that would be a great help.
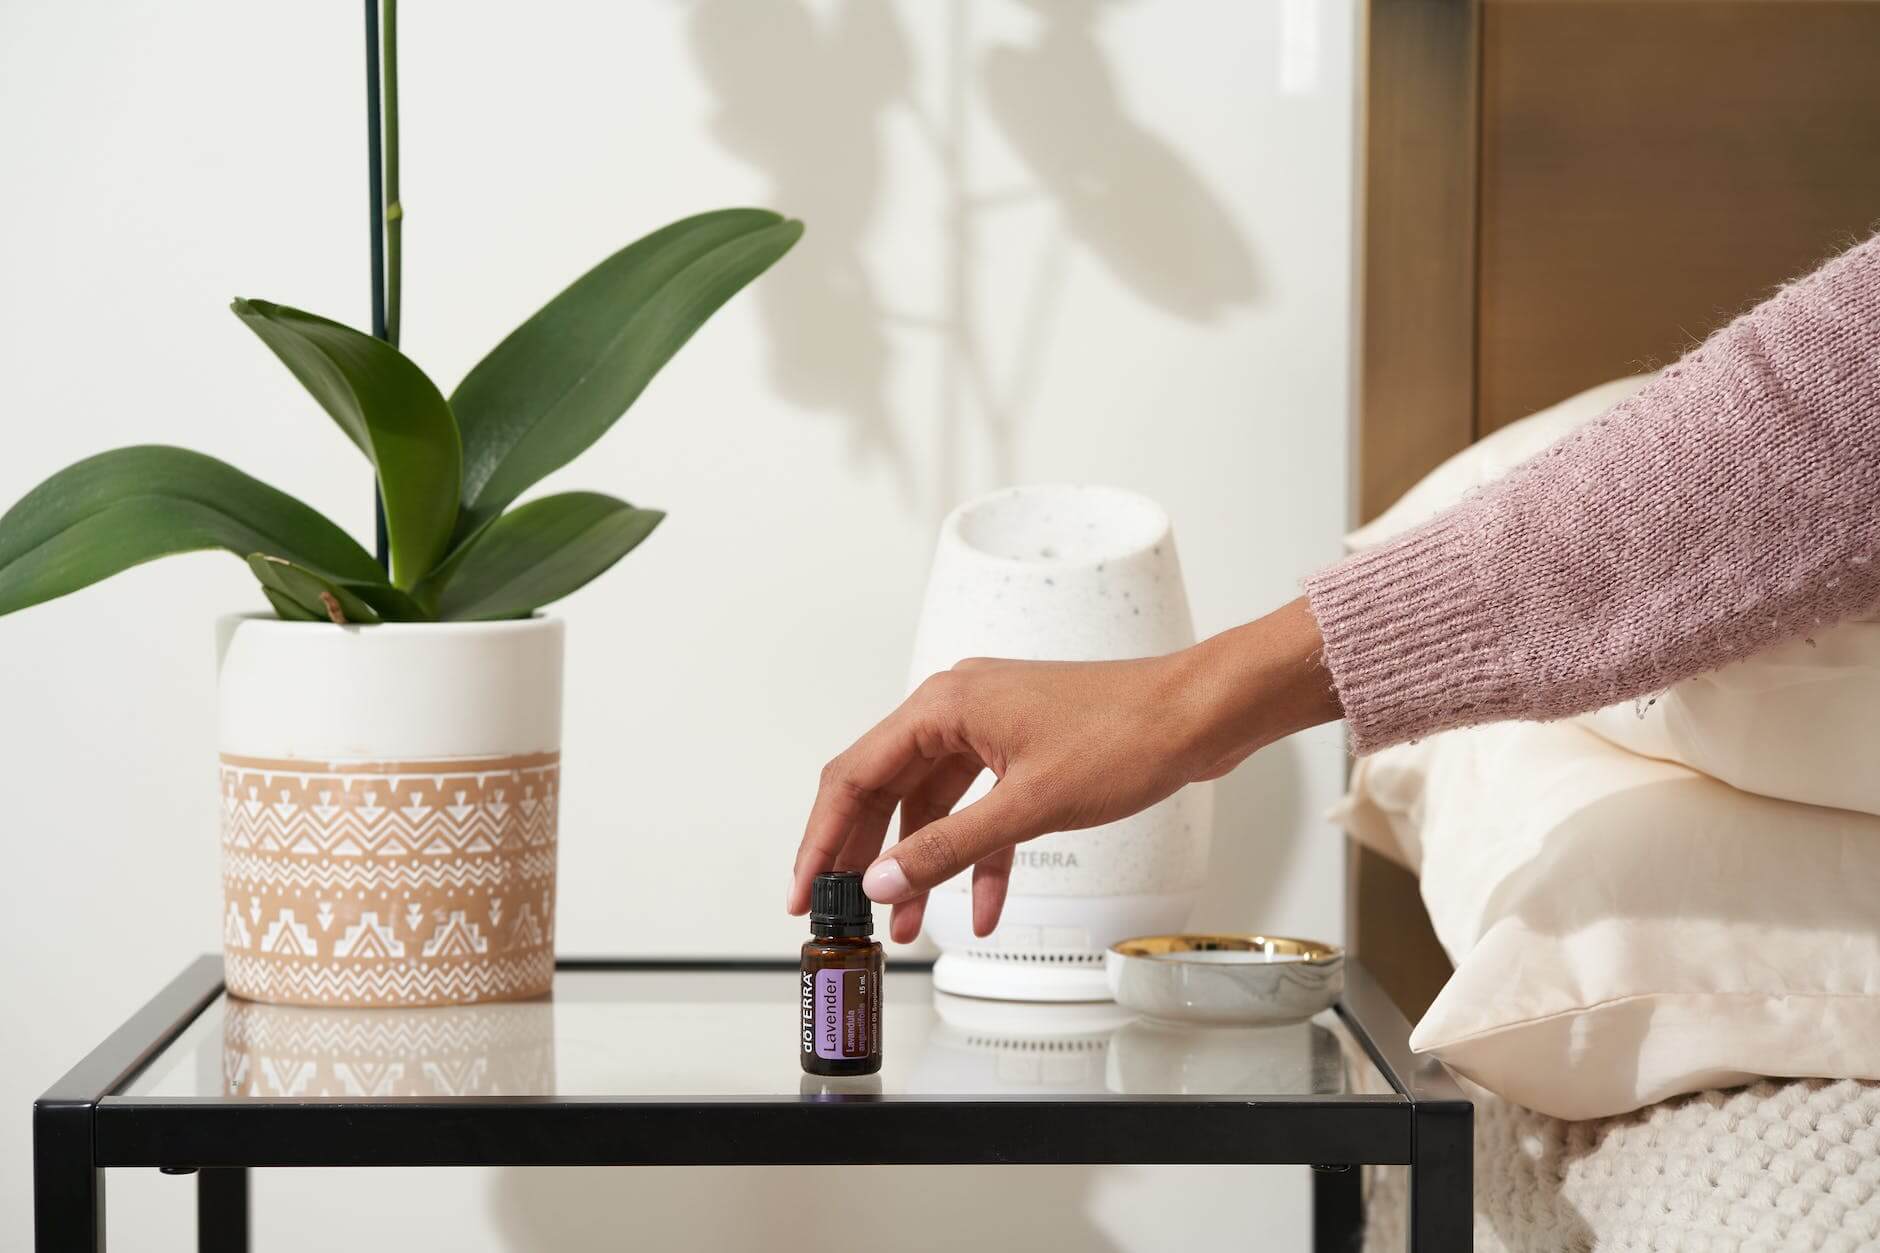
x: 1074, y: 744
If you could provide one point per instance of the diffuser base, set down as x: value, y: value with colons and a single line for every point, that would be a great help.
x: 993, y: 978
x: 1046, y: 948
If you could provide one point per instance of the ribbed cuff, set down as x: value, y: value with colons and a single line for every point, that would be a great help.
x: 1411, y: 642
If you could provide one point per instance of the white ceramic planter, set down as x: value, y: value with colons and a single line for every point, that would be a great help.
x: 1069, y: 573
x: 390, y: 796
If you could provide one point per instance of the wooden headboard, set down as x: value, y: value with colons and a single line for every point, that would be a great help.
x: 1561, y: 192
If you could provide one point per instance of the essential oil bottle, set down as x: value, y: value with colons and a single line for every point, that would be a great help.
x: 839, y: 992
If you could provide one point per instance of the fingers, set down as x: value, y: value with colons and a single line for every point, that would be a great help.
x: 991, y: 877
x: 933, y: 798
x: 904, y: 922
x: 850, y: 793
x: 860, y: 788
x: 938, y: 793
x: 946, y: 846
x: 870, y: 827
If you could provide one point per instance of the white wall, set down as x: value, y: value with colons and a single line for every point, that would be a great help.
x: 1132, y: 219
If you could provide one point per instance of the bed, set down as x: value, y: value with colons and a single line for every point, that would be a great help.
x: 1559, y: 193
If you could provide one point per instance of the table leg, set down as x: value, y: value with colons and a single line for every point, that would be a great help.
x: 68, y: 1191
x: 1442, y: 1178
x: 222, y: 1210
x: 1337, y: 1209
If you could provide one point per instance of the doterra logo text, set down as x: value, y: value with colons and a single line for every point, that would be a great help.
x: 1032, y: 859
x: 809, y: 1012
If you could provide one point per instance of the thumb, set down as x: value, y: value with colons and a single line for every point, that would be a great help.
x: 946, y: 846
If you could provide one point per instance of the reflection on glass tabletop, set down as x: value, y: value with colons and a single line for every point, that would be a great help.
x: 712, y: 1033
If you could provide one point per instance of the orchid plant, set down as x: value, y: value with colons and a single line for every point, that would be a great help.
x: 448, y: 469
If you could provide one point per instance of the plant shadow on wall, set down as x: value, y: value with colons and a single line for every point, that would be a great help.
x: 812, y: 97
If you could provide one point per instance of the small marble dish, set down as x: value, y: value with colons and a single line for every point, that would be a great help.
x: 1230, y: 980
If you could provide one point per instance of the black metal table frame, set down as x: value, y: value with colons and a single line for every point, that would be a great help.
x: 83, y: 1125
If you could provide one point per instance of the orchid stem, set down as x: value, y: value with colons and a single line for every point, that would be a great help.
x: 394, y: 211
x: 382, y: 188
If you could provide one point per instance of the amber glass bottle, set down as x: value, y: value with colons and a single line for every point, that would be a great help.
x: 839, y: 991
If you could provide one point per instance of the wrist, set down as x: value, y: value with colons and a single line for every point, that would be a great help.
x: 1261, y: 682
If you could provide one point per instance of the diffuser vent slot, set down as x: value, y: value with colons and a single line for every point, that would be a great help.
x: 1017, y: 1044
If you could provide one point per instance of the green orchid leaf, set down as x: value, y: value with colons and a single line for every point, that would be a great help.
x: 385, y: 405
x: 333, y: 600
x: 390, y: 603
x: 287, y: 610
x: 317, y: 597
x: 119, y: 509
x: 562, y: 378
x: 536, y: 554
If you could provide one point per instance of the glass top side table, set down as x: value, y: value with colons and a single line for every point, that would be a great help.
x: 692, y: 1063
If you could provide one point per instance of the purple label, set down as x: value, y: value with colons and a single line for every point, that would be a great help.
x: 841, y: 1014
x: 830, y: 1015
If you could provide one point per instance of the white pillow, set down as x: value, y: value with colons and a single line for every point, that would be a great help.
x: 1799, y: 722
x: 1625, y: 929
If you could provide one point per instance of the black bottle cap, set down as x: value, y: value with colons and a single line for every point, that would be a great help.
x: 838, y: 906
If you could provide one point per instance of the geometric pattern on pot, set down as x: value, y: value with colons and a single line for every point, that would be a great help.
x: 372, y: 884
x: 291, y: 1051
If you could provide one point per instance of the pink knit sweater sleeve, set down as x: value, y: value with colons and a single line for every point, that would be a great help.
x: 1731, y: 504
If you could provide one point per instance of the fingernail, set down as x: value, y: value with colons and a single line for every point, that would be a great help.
x: 885, y: 881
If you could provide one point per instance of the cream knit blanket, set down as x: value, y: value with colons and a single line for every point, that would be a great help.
x: 1778, y: 1165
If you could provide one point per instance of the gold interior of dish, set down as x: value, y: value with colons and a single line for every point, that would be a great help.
x: 1270, y: 947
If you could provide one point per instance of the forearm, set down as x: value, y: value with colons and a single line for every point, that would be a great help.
x: 1731, y: 504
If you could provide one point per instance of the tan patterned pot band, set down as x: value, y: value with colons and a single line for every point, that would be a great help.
x: 389, y: 883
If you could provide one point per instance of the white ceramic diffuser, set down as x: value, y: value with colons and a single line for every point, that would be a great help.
x: 1066, y: 573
